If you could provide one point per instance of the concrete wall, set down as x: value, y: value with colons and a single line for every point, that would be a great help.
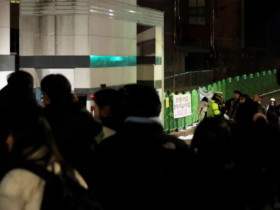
x: 4, y: 27
x: 5, y: 67
x: 150, y: 64
x: 98, y: 42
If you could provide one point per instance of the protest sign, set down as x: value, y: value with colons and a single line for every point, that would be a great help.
x: 182, y: 105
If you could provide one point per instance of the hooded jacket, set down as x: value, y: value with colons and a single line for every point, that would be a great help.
x: 20, y: 189
x: 202, y: 109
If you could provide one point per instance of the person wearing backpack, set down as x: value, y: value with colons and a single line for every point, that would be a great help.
x: 202, y: 108
x: 36, y: 175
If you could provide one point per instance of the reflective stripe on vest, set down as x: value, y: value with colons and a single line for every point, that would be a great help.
x: 211, y: 111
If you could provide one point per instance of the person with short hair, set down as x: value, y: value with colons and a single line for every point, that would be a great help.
x: 74, y: 128
x: 105, y: 110
x: 56, y: 89
x: 231, y: 104
x: 20, y: 79
x: 142, y: 154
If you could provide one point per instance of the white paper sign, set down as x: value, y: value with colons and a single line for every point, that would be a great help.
x: 204, y: 93
x: 182, y: 105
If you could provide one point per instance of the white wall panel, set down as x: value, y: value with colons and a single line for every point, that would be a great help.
x: 82, y: 78
x: 68, y: 73
x: 5, y: 13
x: 113, y: 76
x: 3, y: 78
x: 4, y: 41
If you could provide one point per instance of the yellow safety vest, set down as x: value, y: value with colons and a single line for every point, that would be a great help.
x: 213, y: 109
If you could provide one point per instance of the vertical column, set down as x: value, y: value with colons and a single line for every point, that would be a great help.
x: 6, y: 61
x: 113, y: 52
x: 150, y: 69
x: 160, y: 67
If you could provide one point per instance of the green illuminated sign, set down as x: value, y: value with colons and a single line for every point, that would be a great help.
x: 97, y: 61
x: 158, y: 60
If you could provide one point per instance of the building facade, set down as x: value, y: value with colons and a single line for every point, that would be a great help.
x: 91, y: 42
x: 7, y: 60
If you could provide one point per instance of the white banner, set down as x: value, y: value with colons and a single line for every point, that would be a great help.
x: 204, y: 93
x: 182, y: 105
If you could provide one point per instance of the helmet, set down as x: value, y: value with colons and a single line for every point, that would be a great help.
x: 272, y: 99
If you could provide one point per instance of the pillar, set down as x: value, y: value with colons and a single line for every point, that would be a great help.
x: 7, y: 62
x: 150, y: 65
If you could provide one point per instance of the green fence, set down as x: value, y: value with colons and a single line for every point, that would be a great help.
x: 260, y: 82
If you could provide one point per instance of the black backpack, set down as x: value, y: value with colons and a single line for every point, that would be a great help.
x: 62, y: 191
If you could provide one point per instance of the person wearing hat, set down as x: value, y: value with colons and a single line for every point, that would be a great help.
x: 231, y: 104
x: 214, y: 109
x: 272, y: 112
x: 271, y: 103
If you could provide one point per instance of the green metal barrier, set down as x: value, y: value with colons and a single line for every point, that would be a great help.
x: 257, y: 83
x: 172, y: 121
x: 215, y: 87
x: 244, y: 84
x: 188, y: 120
x: 220, y: 86
x: 251, y: 85
x: 237, y: 85
x: 224, y: 89
x: 274, y: 81
x: 195, y: 101
x: 166, y: 113
x: 269, y: 81
x: 180, y: 121
x: 209, y: 88
x: 229, y: 88
x: 263, y: 83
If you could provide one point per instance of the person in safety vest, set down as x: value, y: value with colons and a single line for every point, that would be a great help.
x: 215, y: 105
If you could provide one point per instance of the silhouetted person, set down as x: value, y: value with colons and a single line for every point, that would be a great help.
x: 252, y: 155
x: 30, y: 141
x: 202, y: 108
x: 231, y: 103
x: 140, y: 156
x: 74, y: 128
x: 212, y: 166
x: 105, y: 110
x: 21, y: 79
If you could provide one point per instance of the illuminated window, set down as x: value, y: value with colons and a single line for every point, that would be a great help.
x: 197, y: 12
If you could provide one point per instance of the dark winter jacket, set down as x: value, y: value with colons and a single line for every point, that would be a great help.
x: 75, y: 130
x: 142, y: 157
x: 272, y: 115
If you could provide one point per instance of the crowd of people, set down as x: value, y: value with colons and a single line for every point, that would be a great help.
x: 60, y: 156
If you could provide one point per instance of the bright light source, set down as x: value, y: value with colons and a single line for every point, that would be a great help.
x: 132, y: 11
x: 111, y: 14
x: 110, y: 10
